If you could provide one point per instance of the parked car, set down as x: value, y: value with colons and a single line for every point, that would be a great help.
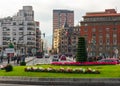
x: 46, y: 55
x: 55, y: 58
x: 110, y: 60
x: 63, y: 58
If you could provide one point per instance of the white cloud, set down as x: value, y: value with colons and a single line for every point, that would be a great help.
x: 43, y: 9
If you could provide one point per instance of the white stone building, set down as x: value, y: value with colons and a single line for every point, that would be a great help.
x: 19, y: 29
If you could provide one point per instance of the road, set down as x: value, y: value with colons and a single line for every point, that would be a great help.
x: 40, y: 61
x: 44, y: 60
x: 33, y: 61
x: 1, y: 84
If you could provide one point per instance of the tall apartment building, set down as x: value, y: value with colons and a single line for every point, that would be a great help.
x: 102, y: 32
x: 21, y: 29
x: 68, y: 40
x: 59, y: 19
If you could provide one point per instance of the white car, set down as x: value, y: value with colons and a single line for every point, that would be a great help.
x: 47, y: 55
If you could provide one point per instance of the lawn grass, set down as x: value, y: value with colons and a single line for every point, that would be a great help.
x: 107, y: 71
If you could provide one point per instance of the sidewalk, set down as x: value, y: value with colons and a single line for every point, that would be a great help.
x: 27, y: 59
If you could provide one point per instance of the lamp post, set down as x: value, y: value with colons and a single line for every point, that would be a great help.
x: 42, y: 43
x: 93, y: 45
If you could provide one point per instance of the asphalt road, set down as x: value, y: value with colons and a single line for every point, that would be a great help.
x: 26, y: 85
x: 40, y: 61
x: 17, y: 85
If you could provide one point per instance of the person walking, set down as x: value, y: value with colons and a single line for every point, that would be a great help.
x: 1, y: 59
x: 8, y: 58
x: 18, y: 59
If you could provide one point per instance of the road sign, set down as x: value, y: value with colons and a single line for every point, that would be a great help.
x: 9, y: 50
x: 33, y: 51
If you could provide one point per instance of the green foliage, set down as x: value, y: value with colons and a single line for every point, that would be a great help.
x: 11, y: 45
x: 22, y: 63
x: 105, y: 72
x: 8, y: 68
x: 81, y: 51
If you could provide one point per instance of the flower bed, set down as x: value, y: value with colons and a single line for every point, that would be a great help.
x: 84, y: 63
x: 62, y: 70
x: 2, y: 67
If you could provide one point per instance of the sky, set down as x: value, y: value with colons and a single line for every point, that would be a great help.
x: 43, y: 9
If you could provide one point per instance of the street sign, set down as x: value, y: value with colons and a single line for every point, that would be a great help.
x: 33, y: 51
x: 9, y: 50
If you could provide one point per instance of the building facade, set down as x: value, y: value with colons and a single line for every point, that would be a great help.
x: 21, y: 30
x: 38, y: 37
x: 102, y: 33
x: 59, y: 19
x: 68, y: 40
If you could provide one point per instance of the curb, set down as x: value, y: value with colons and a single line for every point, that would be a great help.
x: 61, y: 81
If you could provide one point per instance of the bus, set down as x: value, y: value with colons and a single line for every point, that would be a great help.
x: 39, y: 54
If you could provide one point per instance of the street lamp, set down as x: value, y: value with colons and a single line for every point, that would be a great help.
x: 93, y: 45
x: 42, y: 43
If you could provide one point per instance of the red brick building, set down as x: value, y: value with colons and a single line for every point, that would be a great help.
x: 102, y: 32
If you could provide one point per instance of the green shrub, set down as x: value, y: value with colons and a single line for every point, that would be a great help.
x: 8, y: 68
x: 22, y: 63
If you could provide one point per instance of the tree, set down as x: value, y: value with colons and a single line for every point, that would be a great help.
x: 81, y: 51
x: 11, y: 45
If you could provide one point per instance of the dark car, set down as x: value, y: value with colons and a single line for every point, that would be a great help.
x: 110, y: 60
x: 55, y: 58
x: 39, y: 55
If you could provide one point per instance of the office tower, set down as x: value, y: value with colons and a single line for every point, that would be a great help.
x: 60, y: 17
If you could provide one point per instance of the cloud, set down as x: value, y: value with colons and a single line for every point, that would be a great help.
x: 43, y: 9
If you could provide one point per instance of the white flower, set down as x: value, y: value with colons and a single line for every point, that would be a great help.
x: 34, y: 68
x: 1, y: 66
x: 28, y: 68
x: 84, y: 70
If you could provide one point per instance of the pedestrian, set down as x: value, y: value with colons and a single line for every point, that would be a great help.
x: 18, y: 59
x: 8, y: 58
x: 1, y: 58
x: 14, y: 59
x: 23, y: 58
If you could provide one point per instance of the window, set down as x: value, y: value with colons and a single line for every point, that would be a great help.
x: 21, y: 23
x: 93, y: 30
x: 20, y: 33
x: 100, y: 29
x: 85, y: 29
x: 21, y: 28
x: 14, y: 23
x: 107, y: 35
x: 114, y: 35
x: 14, y: 33
x: 100, y: 41
x: 107, y: 41
x: 114, y: 29
x: 107, y: 29
x: 114, y: 41
x: 107, y: 47
x: 100, y: 48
